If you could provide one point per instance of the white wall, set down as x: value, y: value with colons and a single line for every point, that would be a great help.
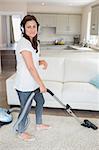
x: 13, y: 7
x: 53, y: 9
x: 0, y: 31
x: 24, y: 7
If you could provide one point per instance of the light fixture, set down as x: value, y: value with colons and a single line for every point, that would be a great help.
x: 43, y: 4
x: 70, y: 4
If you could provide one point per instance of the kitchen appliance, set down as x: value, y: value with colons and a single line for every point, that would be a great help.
x: 76, y: 40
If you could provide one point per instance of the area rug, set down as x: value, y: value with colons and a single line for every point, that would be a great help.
x: 66, y: 134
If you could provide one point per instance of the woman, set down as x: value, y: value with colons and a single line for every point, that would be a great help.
x: 27, y: 77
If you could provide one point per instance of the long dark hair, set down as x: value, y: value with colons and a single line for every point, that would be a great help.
x: 23, y: 22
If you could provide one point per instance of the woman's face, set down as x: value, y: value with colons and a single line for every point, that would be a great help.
x: 31, y: 28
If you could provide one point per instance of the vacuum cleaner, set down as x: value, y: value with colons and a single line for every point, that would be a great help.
x: 85, y: 123
x: 6, y: 117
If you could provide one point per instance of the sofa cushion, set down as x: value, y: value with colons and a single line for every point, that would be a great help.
x: 56, y: 88
x: 55, y: 70
x: 80, y: 95
x: 80, y: 67
x: 12, y: 97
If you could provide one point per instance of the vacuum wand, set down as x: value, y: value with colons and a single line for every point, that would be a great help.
x: 85, y: 123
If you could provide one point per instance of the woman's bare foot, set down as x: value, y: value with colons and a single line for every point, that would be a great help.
x: 26, y: 136
x: 42, y: 127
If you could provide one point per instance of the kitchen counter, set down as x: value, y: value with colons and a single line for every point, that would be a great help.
x: 66, y: 47
x: 10, y: 47
x: 66, y: 53
x: 81, y: 48
x: 52, y: 46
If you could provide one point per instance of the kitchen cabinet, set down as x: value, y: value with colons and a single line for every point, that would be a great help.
x: 68, y: 24
x: 64, y: 24
x: 95, y: 20
x: 74, y: 24
x: 46, y: 20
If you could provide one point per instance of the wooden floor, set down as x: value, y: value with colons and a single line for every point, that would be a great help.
x: 47, y: 111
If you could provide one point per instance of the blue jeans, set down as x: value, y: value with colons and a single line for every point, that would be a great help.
x: 39, y: 99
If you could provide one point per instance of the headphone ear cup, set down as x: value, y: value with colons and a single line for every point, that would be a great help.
x: 22, y: 29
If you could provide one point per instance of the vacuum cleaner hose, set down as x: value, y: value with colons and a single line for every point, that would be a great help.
x: 15, y: 127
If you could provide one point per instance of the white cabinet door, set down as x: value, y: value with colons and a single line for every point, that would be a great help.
x: 74, y: 24
x: 95, y: 21
x: 68, y: 24
x: 48, y: 20
x: 62, y: 24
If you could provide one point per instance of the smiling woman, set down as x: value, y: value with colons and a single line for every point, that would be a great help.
x: 27, y: 74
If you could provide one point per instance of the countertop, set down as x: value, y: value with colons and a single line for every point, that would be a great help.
x: 42, y: 46
x: 81, y: 48
x: 53, y: 47
x: 67, y: 47
x: 10, y: 47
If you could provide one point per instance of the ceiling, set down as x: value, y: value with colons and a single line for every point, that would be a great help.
x: 55, y: 2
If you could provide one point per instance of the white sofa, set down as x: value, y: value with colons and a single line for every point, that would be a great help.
x: 68, y: 78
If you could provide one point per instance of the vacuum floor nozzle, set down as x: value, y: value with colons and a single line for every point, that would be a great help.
x: 89, y: 124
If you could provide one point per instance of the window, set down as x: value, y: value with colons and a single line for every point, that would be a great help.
x: 16, y: 20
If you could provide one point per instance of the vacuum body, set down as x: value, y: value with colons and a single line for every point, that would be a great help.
x: 5, y: 117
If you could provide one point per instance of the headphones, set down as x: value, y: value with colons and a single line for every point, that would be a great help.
x: 22, y: 29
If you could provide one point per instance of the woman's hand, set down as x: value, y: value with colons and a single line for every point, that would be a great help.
x: 43, y: 88
x: 43, y: 63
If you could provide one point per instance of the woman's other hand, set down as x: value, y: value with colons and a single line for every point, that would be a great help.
x: 43, y: 63
x: 43, y: 88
